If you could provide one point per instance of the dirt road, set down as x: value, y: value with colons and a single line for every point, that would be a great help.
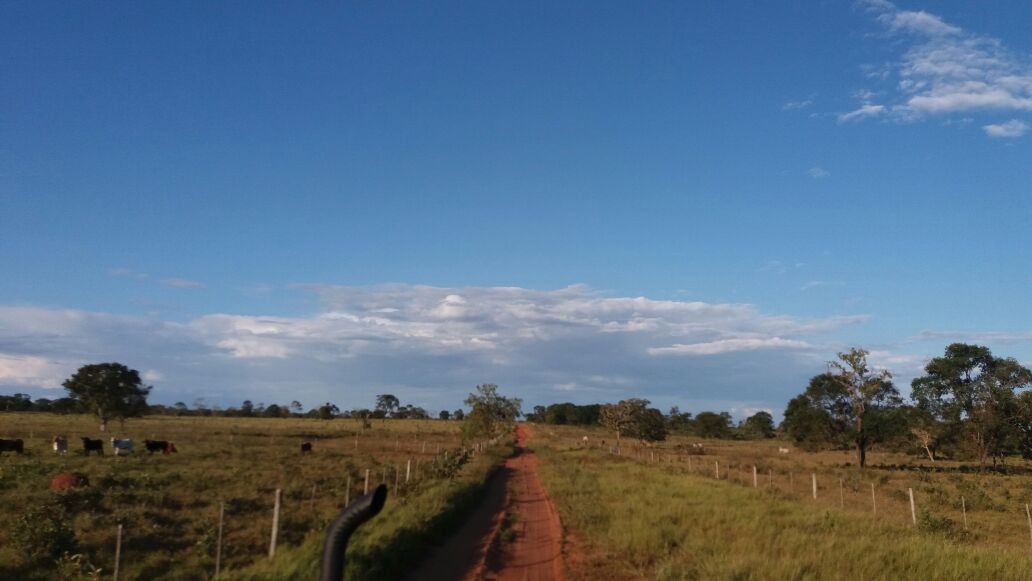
x: 523, y: 547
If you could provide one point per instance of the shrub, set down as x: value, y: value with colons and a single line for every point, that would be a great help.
x: 43, y: 532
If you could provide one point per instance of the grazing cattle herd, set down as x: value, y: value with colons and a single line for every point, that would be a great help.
x: 119, y: 445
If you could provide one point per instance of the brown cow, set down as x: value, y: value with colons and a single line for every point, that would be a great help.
x: 12, y: 446
x: 69, y: 480
x: 160, y: 446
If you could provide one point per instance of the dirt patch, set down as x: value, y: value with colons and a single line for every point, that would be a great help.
x: 514, y: 535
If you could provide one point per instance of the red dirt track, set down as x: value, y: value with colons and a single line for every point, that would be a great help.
x: 477, y: 551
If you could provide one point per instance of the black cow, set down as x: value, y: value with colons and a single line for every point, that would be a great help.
x: 306, y: 447
x: 89, y: 445
x: 12, y: 446
x: 162, y: 446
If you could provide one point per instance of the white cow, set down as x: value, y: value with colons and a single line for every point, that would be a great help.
x: 123, y: 445
x: 782, y: 450
x: 60, y: 444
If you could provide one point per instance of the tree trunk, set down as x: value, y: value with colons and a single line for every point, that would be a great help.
x: 861, y: 449
x: 930, y: 455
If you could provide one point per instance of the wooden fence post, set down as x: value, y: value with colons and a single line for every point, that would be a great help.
x: 913, y: 511
x: 408, y: 470
x: 841, y: 495
x: 689, y: 463
x: 770, y: 477
x: 365, y: 489
x: 755, y: 482
x: 218, y: 546
x: 312, y: 505
x: 275, y: 524
x: 874, y: 501
x: 1028, y: 515
x: 118, y: 551
x: 716, y: 469
x: 963, y: 511
x: 347, y: 492
x: 814, y: 475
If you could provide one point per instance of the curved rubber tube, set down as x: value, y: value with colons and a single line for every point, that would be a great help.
x: 358, y: 512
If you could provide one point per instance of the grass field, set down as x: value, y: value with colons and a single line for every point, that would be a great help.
x: 168, y: 505
x: 645, y: 514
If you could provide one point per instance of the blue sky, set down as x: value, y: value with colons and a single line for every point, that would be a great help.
x: 695, y: 202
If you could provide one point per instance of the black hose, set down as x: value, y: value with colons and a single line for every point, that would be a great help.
x: 358, y: 512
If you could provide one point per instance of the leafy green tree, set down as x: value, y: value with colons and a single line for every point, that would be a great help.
x: 327, y: 411
x: 854, y: 396
x: 388, y: 404
x: 444, y: 415
x: 622, y: 417
x: 109, y: 390
x: 809, y: 426
x: 973, y: 392
x: 651, y: 426
x: 679, y: 421
x: 713, y: 425
x: 459, y: 414
x: 759, y: 425
x: 490, y: 413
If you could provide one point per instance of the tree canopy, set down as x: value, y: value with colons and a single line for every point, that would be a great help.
x: 109, y: 390
x: 491, y: 413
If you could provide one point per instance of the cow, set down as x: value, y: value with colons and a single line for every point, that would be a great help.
x: 162, y: 446
x: 60, y: 444
x: 782, y: 450
x: 306, y: 447
x: 121, y: 445
x: 69, y: 480
x: 89, y: 445
x: 12, y: 446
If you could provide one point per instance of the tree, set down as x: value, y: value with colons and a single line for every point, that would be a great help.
x: 651, y: 426
x: 387, y: 403
x: 973, y: 392
x: 854, y: 397
x: 459, y: 414
x: 247, y: 408
x: 759, y: 425
x: 490, y: 412
x: 110, y: 390
x: 809, y: 426
x: 679, y: 421
x: 713, y: 425
x: 621, y: 416
x: 444, y: 415
x: 295, y: 407
x: 327, y: 411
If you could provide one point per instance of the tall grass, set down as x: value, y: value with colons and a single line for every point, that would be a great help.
x: 389, y: 545
x: 169, y: 505
x: 641, y: 521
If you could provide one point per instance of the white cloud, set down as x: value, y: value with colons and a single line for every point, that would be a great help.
x: 1012, y: 128
x: 728, y: 346
x: 797, y: 105
x: 1004, y: 337
x: 182, y: 283
x: 818, y: 172
x: 819, y: 284
x: 944, y: 69
x: 121, y: 271
x: 27, y: 370
x: 864, y: 111
x: 433, y: 344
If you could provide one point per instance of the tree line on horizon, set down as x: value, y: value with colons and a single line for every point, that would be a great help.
x: 970, y: 404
